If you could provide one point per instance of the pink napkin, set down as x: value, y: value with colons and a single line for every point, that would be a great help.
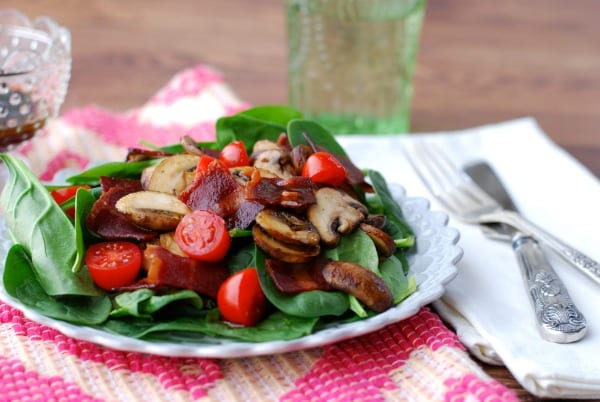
x: 418, y: 359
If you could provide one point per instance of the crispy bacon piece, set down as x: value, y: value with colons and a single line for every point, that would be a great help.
x: 294, y: 192
x: 131, y: 185
x: 139, y: 154
x: 296, y: 278
x: 215, y: 189
x: 353, y: 174
x: 168, y: 269
x: 107, y: 222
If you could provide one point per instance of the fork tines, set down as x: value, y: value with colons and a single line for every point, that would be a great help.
x: 450, y: 185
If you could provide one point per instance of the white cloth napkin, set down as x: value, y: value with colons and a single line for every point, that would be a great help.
x: 487, y: 302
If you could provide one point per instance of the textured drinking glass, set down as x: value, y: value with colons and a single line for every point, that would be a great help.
x: 351, y: 62
x: 35, y: 67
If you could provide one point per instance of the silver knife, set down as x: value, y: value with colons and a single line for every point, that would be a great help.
x: 558, y: 319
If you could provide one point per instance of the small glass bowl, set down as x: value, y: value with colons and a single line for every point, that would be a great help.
x: 35, y: 68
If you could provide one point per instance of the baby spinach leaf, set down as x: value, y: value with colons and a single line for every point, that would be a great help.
x: 145, y: 302
x: 392, y: 272
x: 356, y: 247
x: 241, y: 257
x: 298, y: 130
x: 21, y: 283
x: 84, y: 200
x: 37, y: 222
x: 277, y: 326
x: 314, y: 303
x: 357, y: 307
x: 396, y: 226
x: 122, y: 170
x: 259, y: 123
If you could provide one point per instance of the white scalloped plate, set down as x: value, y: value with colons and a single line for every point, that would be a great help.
x: 433, y: 266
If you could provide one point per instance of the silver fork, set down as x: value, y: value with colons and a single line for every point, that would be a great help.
x: 467, y: 202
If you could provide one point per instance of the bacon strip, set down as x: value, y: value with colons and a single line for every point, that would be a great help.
x: 296, y: 278
x: 216, y: 190
x: 294, y: 192
x: 168, y: 269
x: 131, y: 185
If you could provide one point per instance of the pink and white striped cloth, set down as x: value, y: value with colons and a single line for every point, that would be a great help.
x: 418, y: 359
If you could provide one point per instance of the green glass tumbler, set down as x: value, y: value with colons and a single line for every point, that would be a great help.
x: 351, y: 62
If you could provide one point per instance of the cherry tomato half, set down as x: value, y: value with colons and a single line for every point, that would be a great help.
x: 324, y: 168
x: 203, y: 235
x: 240, y: 298
x: 203, y: 163
x: 113, y: 264
x: 234, y: 154
x: 61, y: 195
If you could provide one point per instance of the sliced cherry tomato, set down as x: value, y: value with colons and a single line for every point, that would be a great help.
x: 203, y: 235
x: 113, y: 264
x: 324, y: 168
x: 203, y: 163
x: 240, y: 298
x: 61, y: 195
x: 234, y: 154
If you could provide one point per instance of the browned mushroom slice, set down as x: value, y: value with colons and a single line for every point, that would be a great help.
x: 298, y: 156
x: 377, y: 220
x: 146, y: 176
x: 242, y: 174
x: 335, y: 213
x: 167, y: 241
x: 285, y: 252
x: 360, y: 282
x: 287, y: 227
x: 152, y: 210
x: 384, y: 243
x: 190, y: 146
x: 170, y: 177
x: 138, y: 154
x: 269, y: 156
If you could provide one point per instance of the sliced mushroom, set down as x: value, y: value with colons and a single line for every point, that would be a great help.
x: 242, y: 174
x: 384, y: 243
x: 299, y: 155
x: 287, y: 227
x: 167, y: 240
x: 360, y: 282
x: 377, y: 220
x: 171, y: 176
x: 269, y: 156
x: 146, y: 176
x: 264, y: 145
x: 190, y: 146
x: 335, y: 213
x: 152, y: 209
x: 282, y: 251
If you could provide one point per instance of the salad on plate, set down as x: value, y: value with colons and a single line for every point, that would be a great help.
x: 268, y: 233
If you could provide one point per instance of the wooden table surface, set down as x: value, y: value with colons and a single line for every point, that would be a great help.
x: 479, y: 62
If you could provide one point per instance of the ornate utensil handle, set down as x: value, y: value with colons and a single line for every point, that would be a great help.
x: 558, y: 319
x: 576, y: 258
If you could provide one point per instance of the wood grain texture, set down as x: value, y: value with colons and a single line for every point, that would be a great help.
x: 479, y: 62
